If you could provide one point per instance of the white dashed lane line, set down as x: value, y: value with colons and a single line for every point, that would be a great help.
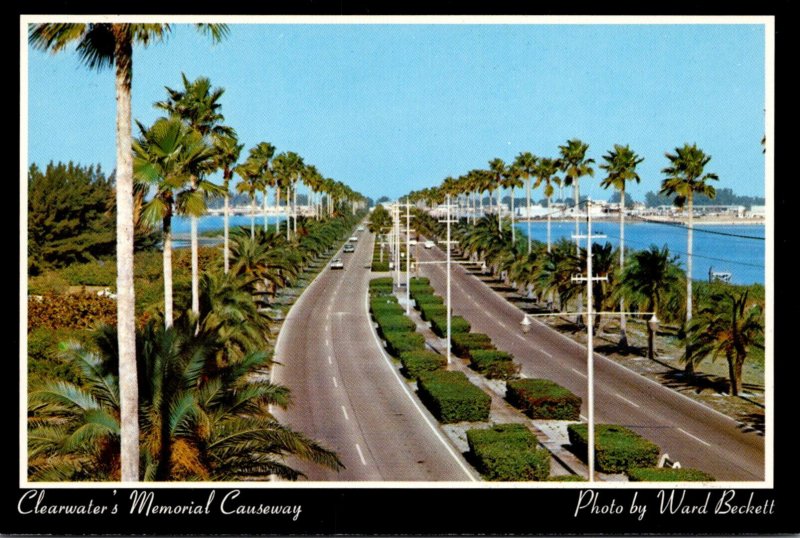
x: 345, y: 413
x: 624, y: 399
x: 360, y: 455
x: 693, y: 436
x: 335, y: 384
x: 579, y: 373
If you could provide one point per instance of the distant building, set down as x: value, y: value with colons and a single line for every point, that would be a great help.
x: 758, y: 211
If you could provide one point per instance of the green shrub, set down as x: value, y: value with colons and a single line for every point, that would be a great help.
x: 381, y: 286
x: 385, y: 306
x: 508, y: 452
x: 50, y: 281
x: 421, y: 289
x: 379, y: 267
x: 46, y: 360
x: 394, y: 323
x: 452, y: 398
x: 425, y: 299
x: 457, y: 325
x: 543, y: 399
x: 668, y: 474
x: 463, y: 343
x: 429, y: 310
x: 416, y: 363
x: 480, y: 359
x: 78, y: 311
x: 401, y: 341
x: 420, y: 281
x: 616, y: 447
x: 566, y: 478
x: 94, y: 273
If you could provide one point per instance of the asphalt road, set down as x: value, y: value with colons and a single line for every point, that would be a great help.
x: 346, y: 393
x: 688, y: 431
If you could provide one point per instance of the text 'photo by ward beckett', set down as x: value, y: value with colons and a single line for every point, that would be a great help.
x: 341, y: 272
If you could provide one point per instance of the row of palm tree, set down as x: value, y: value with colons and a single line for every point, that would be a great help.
x: 685, y: 177
x: 175, y: 152
x: 649, y: 280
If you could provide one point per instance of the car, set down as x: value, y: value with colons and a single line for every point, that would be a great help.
x: 353, y: 239
x: 360, y: 228
x: 349, y: 249
x: 412, y: 241
x: 428, y: 244
x: 336, y: 263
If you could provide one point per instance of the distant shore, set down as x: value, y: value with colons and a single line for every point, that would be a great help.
x: 704, y: 221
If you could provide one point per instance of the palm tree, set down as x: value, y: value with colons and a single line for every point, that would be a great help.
x: 526, y: 164
x: 100, y: 46
x: 621, y: 163
x: 512, y: 179
x: 166, y: 156
x: 198, y: 105
x: 250, y: 172
x: 648, y: 278
x: 685, y: 178
x: 228, y: 150
x: 729, y: 325
x: 545, y: 175
x: 260, y: 155
x: 575, y: 165
x: 496, y: 170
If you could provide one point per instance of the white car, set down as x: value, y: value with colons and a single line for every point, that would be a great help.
x: 360, y: 229
x: 353, y: 239
x: 336, y: 263
x: 412, y: 241
x: 428, y: 244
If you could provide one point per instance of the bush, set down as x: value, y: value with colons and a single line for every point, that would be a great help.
x: 421, y: 289
x: 508, y: 452
x: 452, y: 398
x: 94, y: 273
x: 394, y: 323
x: 429, y: 310
x: 78, y: 311
x: 494, y: 364
x: 385, y: 306
x: 420, y: 281
x: 45, y: 358
x: 566, y: 478
x: 416, y: 363
x: 616, y: 447
x: 457, y: 325
x: 401, y: 341
x: 463, y: 343
x: 543, y: 399
x: 379, y: 267
x: 381, y: 286
x: 668, y: 474
x: 426, y: 299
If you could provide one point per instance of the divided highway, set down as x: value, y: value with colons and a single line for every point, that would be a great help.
x: 688, y: 431
x: 345, y: 391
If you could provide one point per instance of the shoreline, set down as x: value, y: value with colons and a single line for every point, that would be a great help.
x: 658, y: 220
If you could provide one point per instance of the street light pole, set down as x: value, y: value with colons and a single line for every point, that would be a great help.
x: 449, y: 307
x: 589, y: 279
x: 408, y: 259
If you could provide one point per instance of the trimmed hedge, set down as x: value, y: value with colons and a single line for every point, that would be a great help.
x: 457, y: 325
x: 416, y: 363
x: 426, y: 298
x: 508, y: 452
x: 381, y: 286
x: 452, y: 398
x: 379, y: 267
x: 421, y: 289
x: 385, y: 306
x: 394, y: 323
x: 616, y: 447
x: 429, y: 310
x: 494, y: 364
x: 566, y: 478
x: 420, y: 281
x: 463, y: 343
x: 668, y: 474
x: 543, y: 399
x: 401, y: 341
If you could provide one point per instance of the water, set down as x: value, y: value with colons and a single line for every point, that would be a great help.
x: 742, y: 257
x: 181, y: 225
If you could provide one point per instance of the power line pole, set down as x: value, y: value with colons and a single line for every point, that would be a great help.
x: 590, y: 279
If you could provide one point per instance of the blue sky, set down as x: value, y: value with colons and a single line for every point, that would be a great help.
x: 393, y: 108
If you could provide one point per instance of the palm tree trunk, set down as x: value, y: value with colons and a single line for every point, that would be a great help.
x: 513, y: 231
x: 126, y: 297
x: 288, y: 212
x: 264, y: 207
x: 689, y: 364
x: 252, y: 216
x: 735, y: 370
x: 480, y: 199
x: 195, y: 268
x: 623, y: 325
x: 294, y: 207
x: 577, y: 192
x: 650, y: 344
x: 548, y: 225
x: 499, y: 191
x: 166, y: 225
x: 528, y: 200
x: 277, y: 208
x: 226, y: 233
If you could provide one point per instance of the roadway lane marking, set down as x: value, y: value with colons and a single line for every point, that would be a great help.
x: 545, y: 353
x: 579, y: 373
x: 345, y: 413
x: 327, y: 343
x: 693, y: 436
x: 330, y: 361
x: 360, y: 455
x: 521, y: 337
x: 584, y: 418
x: 335, y: 384
x: 624, y: 399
